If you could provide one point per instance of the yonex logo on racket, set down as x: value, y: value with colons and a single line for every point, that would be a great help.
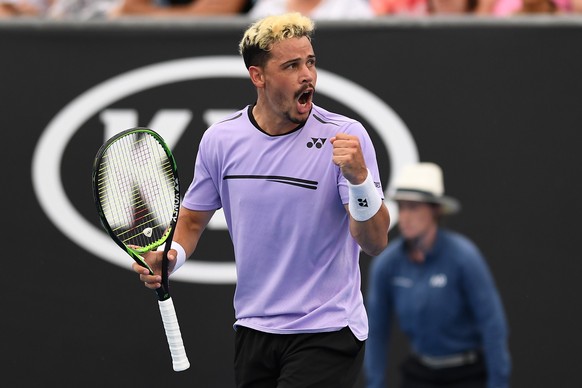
x: 176, y: 201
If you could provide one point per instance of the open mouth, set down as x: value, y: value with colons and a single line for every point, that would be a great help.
x: 305, y: 97
x: 304, y: 100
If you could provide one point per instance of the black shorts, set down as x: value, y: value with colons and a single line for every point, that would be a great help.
x: 322, y: 360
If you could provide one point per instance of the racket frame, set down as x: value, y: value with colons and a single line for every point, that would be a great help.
x: 179, y: 358
x: 136, y: 252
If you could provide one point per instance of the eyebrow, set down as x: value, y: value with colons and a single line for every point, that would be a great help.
x: 294, y: 60
x: 290, y: 62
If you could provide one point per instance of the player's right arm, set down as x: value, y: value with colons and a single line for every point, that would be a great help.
x: 191, y: 224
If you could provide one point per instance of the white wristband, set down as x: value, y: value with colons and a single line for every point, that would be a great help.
x: 180, y: 255
x: 365, y: 201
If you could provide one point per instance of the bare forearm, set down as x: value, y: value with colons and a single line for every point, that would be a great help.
x: 372, y: 235
x: 189, y: 228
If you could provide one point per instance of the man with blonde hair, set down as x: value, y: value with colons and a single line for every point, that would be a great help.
x: 301, y: 194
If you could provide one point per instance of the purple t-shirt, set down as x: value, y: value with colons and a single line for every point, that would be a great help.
x: 283, y: 199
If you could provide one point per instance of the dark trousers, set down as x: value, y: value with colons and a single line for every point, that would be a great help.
x: 314, y: 360
x: 416, y: 375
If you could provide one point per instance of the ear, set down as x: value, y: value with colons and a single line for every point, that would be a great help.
x: 257, y: 76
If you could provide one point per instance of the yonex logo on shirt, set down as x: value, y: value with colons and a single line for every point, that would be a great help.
x: 317, y: 142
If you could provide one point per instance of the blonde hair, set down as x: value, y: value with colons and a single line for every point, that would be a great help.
x: 261, y: 35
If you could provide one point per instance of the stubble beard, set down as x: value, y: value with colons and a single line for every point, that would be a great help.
x: 294, y: 120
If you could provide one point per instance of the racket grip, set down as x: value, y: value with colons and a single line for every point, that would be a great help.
x: 179, y: 358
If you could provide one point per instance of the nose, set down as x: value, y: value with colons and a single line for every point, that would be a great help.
x: 307, y: 74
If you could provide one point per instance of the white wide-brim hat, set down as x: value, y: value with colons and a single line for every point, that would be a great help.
x: 423, y: 182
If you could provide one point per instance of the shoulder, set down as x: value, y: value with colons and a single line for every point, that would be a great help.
x: 458, y: 240
x: 221, y: 136
x: 231, y: 120
x: 327, y: 117
x: 326, y: 120
x: 462, y: 248
x: 229, y: 124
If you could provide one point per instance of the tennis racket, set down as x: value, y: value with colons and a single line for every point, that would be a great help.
x: 137, y: 194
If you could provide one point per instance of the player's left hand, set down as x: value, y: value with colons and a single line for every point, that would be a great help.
x: 347, y: 154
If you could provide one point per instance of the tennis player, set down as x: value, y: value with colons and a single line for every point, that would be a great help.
x: 301, y: 194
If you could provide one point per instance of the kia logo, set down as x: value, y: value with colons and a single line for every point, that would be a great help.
x: 47, y: 159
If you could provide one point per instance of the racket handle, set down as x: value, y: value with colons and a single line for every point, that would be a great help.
x: 179, y: 358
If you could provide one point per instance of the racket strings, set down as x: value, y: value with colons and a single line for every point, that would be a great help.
x: 136, y: 187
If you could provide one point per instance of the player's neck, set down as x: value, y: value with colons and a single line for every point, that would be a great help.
x: 271, y: 123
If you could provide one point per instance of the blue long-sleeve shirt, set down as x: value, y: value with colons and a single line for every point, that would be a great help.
x: 447, y: 305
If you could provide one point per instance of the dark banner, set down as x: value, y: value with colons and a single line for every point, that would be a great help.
x: 496, y: 105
